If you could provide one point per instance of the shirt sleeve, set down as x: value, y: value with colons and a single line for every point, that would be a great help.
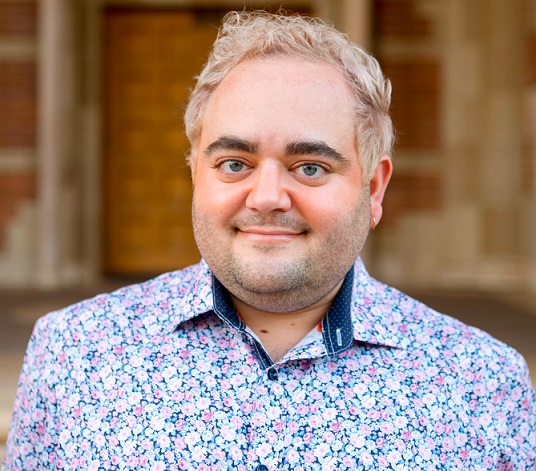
x: 34, y: 426
x: 519, y: 452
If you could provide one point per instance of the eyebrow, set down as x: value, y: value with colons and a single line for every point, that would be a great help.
x: 235, y: 143
x: 318, y: 148
x: 232, y: 143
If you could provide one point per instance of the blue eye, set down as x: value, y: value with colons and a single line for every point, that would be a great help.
x: 311, y: 170
x: 233, y: 166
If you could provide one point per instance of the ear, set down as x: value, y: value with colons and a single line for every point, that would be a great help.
x: 378, y: 185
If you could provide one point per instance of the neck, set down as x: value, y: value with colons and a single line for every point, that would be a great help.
x: 280, y: 332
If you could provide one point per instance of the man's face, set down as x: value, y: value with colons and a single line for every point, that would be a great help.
x: 280, y: 211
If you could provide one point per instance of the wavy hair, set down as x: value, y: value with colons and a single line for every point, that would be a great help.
x: 247, y: 35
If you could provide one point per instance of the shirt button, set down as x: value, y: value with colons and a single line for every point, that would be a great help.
x: 261, y: 467
x: 272, y: 376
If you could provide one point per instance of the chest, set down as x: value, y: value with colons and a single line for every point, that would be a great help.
x: 195, y: 406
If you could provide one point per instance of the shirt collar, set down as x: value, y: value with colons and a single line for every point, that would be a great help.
x: 377, y: 311
x: 360, y: 301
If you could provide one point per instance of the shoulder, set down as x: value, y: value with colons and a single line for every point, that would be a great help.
x: 429, y: 334
x: 130, y: 309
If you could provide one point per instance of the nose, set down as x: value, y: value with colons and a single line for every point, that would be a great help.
x: 268, y: 191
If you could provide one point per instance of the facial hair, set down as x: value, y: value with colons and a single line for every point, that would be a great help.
x: 283, y: 284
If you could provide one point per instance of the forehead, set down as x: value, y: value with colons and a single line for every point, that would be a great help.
x: 280, y: 94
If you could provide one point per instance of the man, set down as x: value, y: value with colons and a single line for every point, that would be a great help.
x: 277, y: 351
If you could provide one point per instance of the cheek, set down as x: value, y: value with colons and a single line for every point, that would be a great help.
x: 215, y: 202
x: 330, y: 208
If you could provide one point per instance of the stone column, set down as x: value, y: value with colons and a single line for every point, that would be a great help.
x: 482, y: 108
x: 354, y: 17
x: 55, y: 131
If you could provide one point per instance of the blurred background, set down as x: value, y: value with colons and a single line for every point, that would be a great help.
x: 94, y: 190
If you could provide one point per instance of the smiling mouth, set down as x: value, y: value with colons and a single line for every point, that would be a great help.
x: 268, y: 234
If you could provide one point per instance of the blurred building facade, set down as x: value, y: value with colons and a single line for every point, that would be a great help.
x: 92, y: 174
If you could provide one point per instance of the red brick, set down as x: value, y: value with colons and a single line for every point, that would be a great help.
x: 411, y: 193
x: 399, y: 19
x: 416, y: 104
x: 527, y: 166
x: 18, y: 104
x: 18, y: 18
x: 20, y: 185
x: 529, y: 60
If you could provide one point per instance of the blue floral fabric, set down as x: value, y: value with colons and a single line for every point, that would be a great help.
x: 151, y: 378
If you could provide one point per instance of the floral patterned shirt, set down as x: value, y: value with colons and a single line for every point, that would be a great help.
x: 163, y: 375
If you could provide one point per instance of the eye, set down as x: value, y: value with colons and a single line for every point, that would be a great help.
x: 232, y: 166
x: 312, y: 170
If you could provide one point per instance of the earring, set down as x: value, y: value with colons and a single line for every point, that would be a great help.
x: 373, y: 223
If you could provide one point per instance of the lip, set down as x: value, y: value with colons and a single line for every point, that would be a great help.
x: 268, y: 234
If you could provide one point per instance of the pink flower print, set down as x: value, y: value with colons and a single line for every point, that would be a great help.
x: 366, y: 458
x: 357, y: 441
x: 315, y: 421
x: 400, y: 422
x: 394, y: 457
x: 273, y: 412
x: 188, y: 408
x: 234, y: 355
x: 332, y: 391
x: 386, y: 427
x: 203, y: 403
x: 263, y: 449
x: 123, y: 434
x: 157, y: 423
x: 121, y: 406
x: 364, y: 429
x: 335, y: 426
x: 292, y: 456
x: 209, y: 381
x: 235, y: 453
x: 199, y: 453
x: 163, y: 440
x: 93, y: 424
x: 158, y: 466
x: 192, y: 438
x: 329, y: 413
x: 228, y: 434
x: 425, y: 453
x: 218, y: 454
x: 279, y: 426
x: 258, y: 419
x: 328, y: 437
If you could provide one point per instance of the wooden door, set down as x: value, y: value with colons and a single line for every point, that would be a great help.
x: 151, y: 58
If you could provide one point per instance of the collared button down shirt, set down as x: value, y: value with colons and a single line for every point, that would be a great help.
x: 165, y: 376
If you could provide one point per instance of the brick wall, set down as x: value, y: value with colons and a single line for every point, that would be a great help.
x: 18, y: 107
x: 402, y: 33
x: 528, y: 156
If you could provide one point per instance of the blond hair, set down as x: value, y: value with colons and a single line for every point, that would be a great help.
x: 246, y: 35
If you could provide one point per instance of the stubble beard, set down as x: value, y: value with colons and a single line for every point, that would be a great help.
x: 278, y: 284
